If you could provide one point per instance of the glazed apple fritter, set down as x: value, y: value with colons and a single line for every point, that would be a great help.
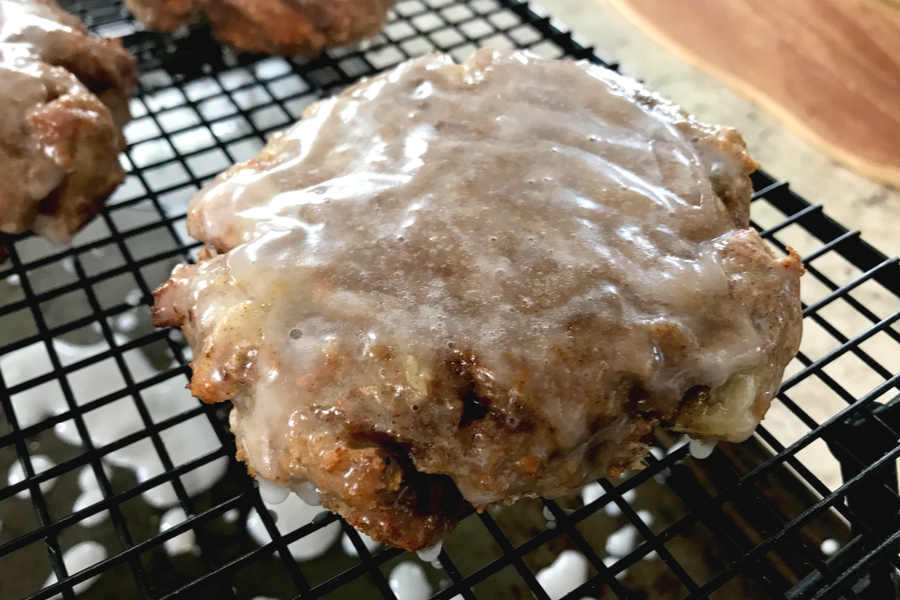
x: 453, y: 286
x: 65, y: 99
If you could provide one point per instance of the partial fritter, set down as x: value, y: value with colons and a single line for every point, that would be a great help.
x: 271, y: 26
x: 453, y: 286
x: 64, y: 97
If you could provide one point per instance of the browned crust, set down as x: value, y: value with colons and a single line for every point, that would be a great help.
x: 87, y: 144
x: 106, y: 69
x: 165, y: 313
x: 271, y: 26
x: 164, y: 15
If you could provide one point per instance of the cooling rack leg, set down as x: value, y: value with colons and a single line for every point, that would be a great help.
x: 863, y: 439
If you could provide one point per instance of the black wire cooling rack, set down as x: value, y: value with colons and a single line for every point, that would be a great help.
x: 808, y: 508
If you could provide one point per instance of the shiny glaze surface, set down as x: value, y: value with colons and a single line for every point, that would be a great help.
x: 546, y: 236
x: 64, y: 96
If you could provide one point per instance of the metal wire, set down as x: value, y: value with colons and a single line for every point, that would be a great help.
x: 759, y: 512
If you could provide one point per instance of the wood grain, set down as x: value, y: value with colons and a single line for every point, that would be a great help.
x: 829, y: 69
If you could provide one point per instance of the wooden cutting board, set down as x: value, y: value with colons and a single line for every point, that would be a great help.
x: 829, y: 69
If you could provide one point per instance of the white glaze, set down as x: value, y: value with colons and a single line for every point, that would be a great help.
x: 609, y: 561
x: 87, y: 479
x: 39, y: 464
x: 271, y: 492
x: 86, y: 499
x: 408, y: 582
x: 90, y: 495
x: 126, y: 322
x: 682, y: 442
x: 622, y: 542
x: 591, y: 492
x: 231, y: 516
x: 614, y: 510
x: 78, y: 558
x: 291, y: 514
x: 568, y: 571
x: 183, y: 543
x: 430, y: 555
x: 133, y: 297
x: 350, y: 550
x: 307, y: 491
x: 701, y: 449
x: 184, y: 442
x: 829, y: 547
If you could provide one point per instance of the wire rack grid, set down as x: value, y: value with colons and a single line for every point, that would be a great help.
x: 92, y: 406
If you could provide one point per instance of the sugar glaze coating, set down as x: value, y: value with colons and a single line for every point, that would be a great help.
x: 495, y: 278
x: 65, y: 99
